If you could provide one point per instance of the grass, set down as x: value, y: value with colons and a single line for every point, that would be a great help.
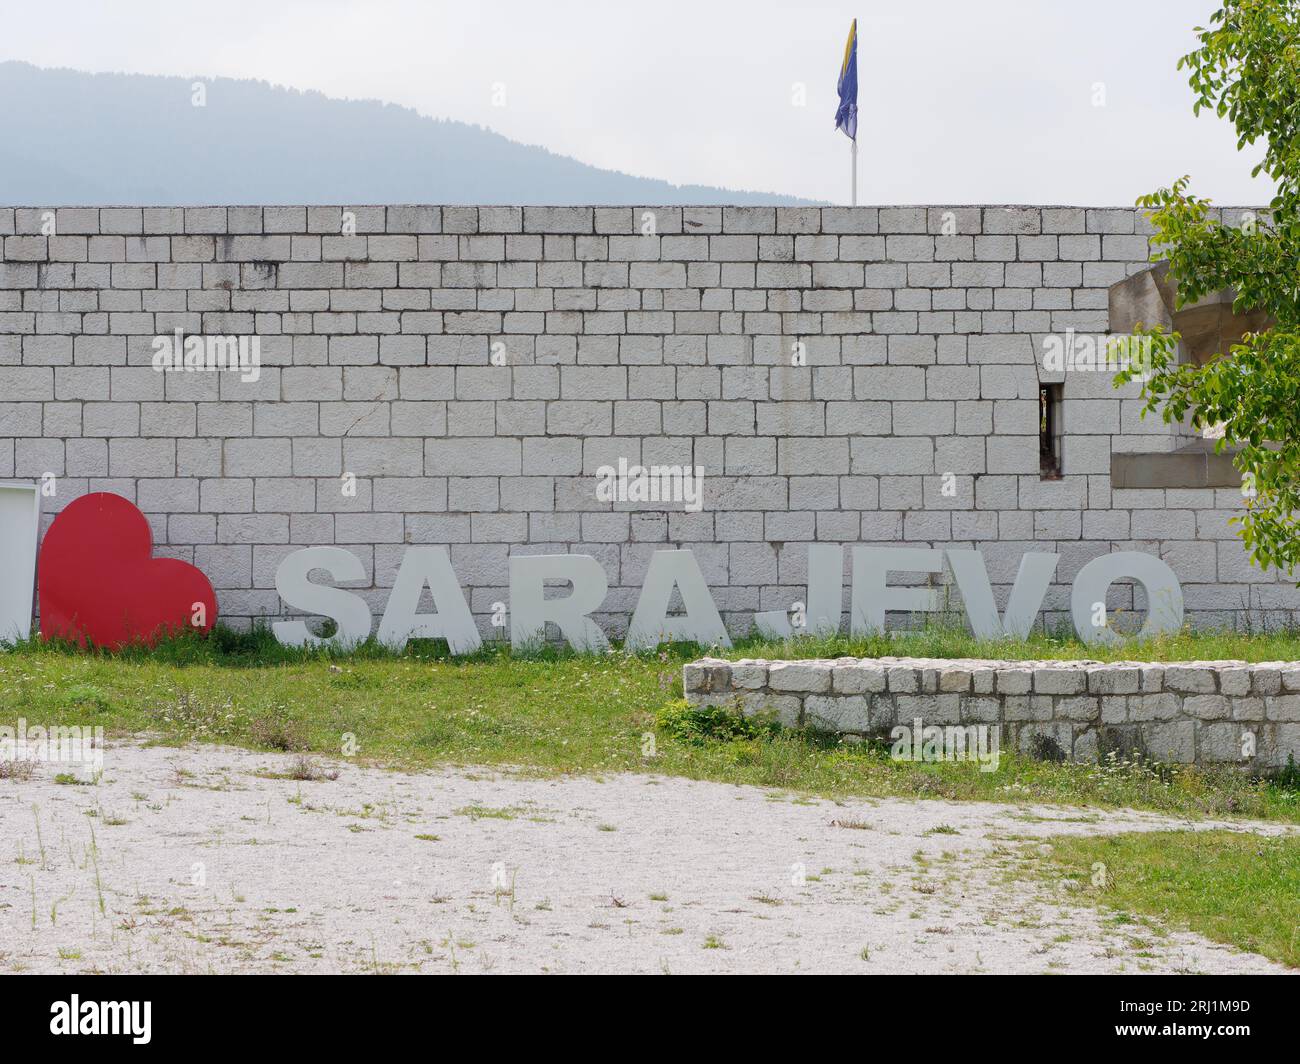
x: 1231, y: 887
x: 558, y: 712
x: 941, y: 636
x: 949, y: 640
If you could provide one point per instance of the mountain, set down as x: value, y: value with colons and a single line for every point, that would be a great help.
x: 70, y: 137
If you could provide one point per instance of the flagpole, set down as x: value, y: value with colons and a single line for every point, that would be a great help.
x: 846, y: 116
x: 853, y: 199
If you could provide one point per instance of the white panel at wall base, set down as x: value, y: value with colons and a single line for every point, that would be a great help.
x: 20, y: 509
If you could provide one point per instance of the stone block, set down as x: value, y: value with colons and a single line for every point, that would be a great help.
x: 838, y: 713
x: 806, y: 677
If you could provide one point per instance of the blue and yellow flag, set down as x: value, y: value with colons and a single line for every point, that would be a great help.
x: 846, y: 118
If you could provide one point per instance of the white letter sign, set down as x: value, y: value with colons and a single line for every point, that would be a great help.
x: 453, y: 621
x: 651, y: 624
x: 20, y: 519
x: 345, y: 609
x: 530, y: 609
x: 1088, y: 599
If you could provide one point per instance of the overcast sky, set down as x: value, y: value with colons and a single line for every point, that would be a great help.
x: 961, y: 101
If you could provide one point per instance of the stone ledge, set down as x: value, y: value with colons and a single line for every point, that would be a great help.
x: 1190, y: 467
x: 1189, y: 712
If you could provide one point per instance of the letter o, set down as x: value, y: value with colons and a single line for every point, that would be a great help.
x: 1164, y: 594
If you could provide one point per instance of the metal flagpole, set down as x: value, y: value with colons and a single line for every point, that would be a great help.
x: 846, y: 116
x: 853, y: 199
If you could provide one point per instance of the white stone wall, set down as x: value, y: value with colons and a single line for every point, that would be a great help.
x: 1203, y: 712
x: 922, y: 358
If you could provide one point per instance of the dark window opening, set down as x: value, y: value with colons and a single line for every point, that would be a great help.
x: 1050, y: 397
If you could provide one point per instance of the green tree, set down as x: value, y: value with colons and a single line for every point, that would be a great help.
x: 1246, y: 69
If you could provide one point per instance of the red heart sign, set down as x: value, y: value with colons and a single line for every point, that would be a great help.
x: 100, y: 583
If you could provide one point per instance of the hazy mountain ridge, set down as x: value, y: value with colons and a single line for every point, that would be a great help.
x: 71, y: 137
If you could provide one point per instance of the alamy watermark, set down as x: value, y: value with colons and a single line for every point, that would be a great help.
x: 119, y: 1018
x: 58, y: 745
x: 212, y: 354
x: 950, y: 742
x: 656, y: 483
x: 1097, y: 353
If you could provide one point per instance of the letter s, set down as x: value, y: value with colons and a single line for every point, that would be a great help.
x: 347, y: 610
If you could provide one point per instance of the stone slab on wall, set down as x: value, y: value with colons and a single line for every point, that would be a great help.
x: 920, y: 331
x: 1190, y: 712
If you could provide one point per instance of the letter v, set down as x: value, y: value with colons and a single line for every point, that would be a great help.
x: 1032, y: 580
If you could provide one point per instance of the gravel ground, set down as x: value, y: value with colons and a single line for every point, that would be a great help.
x: 207, y: 859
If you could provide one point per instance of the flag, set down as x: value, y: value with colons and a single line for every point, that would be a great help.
x: 846, y: 117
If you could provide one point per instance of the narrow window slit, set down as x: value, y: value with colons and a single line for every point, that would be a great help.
x: 1050, y: 398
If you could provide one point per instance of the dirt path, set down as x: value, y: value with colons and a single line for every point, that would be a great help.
x: 203, y: 863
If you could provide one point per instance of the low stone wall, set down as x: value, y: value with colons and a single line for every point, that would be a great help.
x: 1204, y: 712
